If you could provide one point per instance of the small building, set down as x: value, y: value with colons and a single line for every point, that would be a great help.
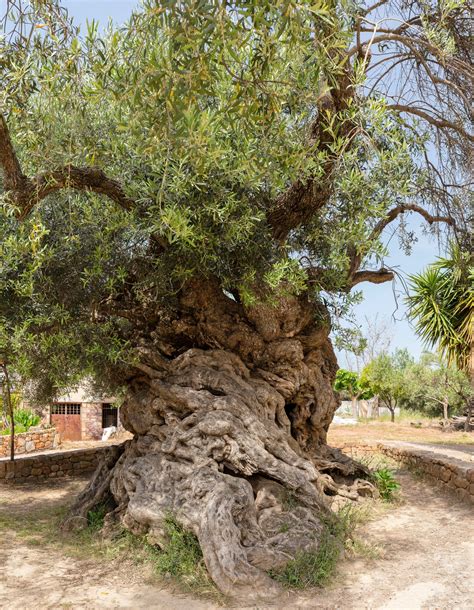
x: 78, y: 416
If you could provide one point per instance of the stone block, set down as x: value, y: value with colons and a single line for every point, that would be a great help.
x: 461, y: 482
x: 29, y: 446
x: 445, y: 474
x: 36, y: 471
x: 54, y: 467
x: 470, y: 475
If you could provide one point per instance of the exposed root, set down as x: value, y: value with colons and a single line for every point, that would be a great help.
x: 213, y: 447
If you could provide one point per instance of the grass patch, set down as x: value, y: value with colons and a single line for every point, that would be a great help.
x: 289, y: 500
x: 311, y: 568
x: 315, y: 568
x: 179, y: 561
x: 181, y: 558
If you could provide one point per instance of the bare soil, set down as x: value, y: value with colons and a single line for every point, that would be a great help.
x: 429, y: 432
x: 425, y: 542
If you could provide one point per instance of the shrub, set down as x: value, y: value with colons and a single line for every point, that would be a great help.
x: 18, y: 429
x: 26, y: 418
x: 386, y: 484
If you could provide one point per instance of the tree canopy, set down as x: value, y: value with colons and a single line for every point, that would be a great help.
x: 265, y: 145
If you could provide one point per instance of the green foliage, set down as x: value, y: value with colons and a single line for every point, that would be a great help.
x: 181, y: 557
x: 26, y: 418
x: 431, y: 381
x: 356, y: 386
x: 95, y: 517
x: 441, y: 304
x: 204, y: 113
x: 311, y: 568
x: 385, y: 483
x: 18, y: 430
x: 315, y: 568
x: 385, y: 376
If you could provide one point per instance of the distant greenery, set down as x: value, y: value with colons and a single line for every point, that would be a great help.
x: 426, y: 387
x: 430, y: 382
x: 24, y: 420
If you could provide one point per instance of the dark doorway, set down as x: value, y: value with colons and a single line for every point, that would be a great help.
x: 109, y: 415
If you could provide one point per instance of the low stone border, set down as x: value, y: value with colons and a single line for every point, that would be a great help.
x: 448, y: 473
x: 28, y: 442
x: 52, y: 465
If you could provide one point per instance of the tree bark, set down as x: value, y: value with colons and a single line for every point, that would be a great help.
x: 225, y: 436
x: 355, y: 409
x: 9, y: 405
x: 445, y: 410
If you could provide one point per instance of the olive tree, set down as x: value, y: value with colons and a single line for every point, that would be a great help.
x: 186, y: 202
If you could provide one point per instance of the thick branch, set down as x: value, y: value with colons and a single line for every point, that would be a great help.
x: 14, y: 179
x: 375, y: 277
x: 438, y: 123
x: 77, y: 178
x: 401, y: 209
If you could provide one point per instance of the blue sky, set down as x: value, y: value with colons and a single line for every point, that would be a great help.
x: 379, y: 299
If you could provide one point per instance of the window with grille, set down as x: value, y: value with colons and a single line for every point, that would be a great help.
x: 66, y: 408
x: 109, y: 415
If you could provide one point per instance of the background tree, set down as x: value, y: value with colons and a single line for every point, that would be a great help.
x: 355, y: 387
x: 385, y: 376
x: 7, y: 401
x: 434, y: 387
x: 367, y: 342
x: 185, y: 202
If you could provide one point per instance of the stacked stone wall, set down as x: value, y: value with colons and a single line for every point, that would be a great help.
x: 29, y: 442
x: 52, y: 465
x: 447, y: 473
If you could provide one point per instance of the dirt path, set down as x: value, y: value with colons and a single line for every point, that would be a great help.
x: 464, y: 453
x: 428, y: 553
x: 427, y: 545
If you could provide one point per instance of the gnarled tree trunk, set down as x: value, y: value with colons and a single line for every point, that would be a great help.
x: 226, y: 436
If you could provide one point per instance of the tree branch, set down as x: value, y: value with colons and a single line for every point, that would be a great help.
x: 401, y: 209
x: 76, y: 178
x: 14, y: 179
x: 439, y: 123
x: 27, y: 192
x: 375, y: 277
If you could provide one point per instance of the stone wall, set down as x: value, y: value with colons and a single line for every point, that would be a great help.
x: 447, y: 473
x: 28, y: 442
x: 91, y: 420
x: 52, y: 465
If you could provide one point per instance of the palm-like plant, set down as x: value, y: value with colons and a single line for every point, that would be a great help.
x: 441, y: 305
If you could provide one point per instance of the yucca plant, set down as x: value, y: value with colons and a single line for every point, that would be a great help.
x: 441, y: 305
